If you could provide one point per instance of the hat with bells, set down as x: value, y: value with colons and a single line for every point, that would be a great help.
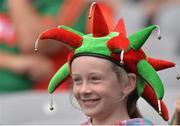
x: 115, y: 46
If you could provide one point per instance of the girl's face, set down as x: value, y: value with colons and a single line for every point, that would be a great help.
x: 96, y: 86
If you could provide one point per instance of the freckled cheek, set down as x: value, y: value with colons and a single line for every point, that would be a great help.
x: 102, y: 92
x: 107, y: 93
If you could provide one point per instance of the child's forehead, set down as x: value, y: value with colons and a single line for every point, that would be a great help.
x: 93, y: 60
x: 90, y: 64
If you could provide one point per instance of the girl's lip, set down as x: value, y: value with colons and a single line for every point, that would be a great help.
x: 92, y: 99
x: 90, y: 102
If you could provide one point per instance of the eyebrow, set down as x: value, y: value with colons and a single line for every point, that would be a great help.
x: 74, y: 75
x: 91, y: 73
x: 95, y: 73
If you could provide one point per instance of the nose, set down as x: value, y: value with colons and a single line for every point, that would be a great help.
x: 85, y: 88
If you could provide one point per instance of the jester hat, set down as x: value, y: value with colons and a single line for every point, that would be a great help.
x: 117, y: 47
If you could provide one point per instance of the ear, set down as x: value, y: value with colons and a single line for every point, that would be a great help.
x: 130, y: 85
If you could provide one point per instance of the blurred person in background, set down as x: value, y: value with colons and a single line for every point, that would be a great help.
x: 20, y: 24
x: 165, y: 13
x: 152, y: 7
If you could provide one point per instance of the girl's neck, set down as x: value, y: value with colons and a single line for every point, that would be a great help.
x: 111, y: 118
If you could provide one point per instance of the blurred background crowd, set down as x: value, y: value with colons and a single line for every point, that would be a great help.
x: 24, y: 75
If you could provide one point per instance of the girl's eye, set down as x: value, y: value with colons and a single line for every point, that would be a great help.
x: 77, y: 80
x: 95, y: 79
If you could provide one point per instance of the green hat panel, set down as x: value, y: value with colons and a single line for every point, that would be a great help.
x: 140, y: 85
x: 60, y: 75
x: 149, y: 74
x: 95, y: 45
x: 139, y: 38
x: 71, y: 29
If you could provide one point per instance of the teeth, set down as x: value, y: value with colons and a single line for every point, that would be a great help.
x: 90, y: 99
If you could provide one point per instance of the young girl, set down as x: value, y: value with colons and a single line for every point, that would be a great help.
x: 110, y: 71
x: 105, y: 91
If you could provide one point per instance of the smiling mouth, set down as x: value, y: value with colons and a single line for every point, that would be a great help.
x: 90, y: 102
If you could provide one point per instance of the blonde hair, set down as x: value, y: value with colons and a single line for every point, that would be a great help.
x: 133, y: 97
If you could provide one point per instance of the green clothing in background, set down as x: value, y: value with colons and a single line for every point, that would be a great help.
x: 9, y: 81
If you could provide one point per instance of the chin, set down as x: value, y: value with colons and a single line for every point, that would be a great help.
x: 93, y: 112
x: 91, y: 109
